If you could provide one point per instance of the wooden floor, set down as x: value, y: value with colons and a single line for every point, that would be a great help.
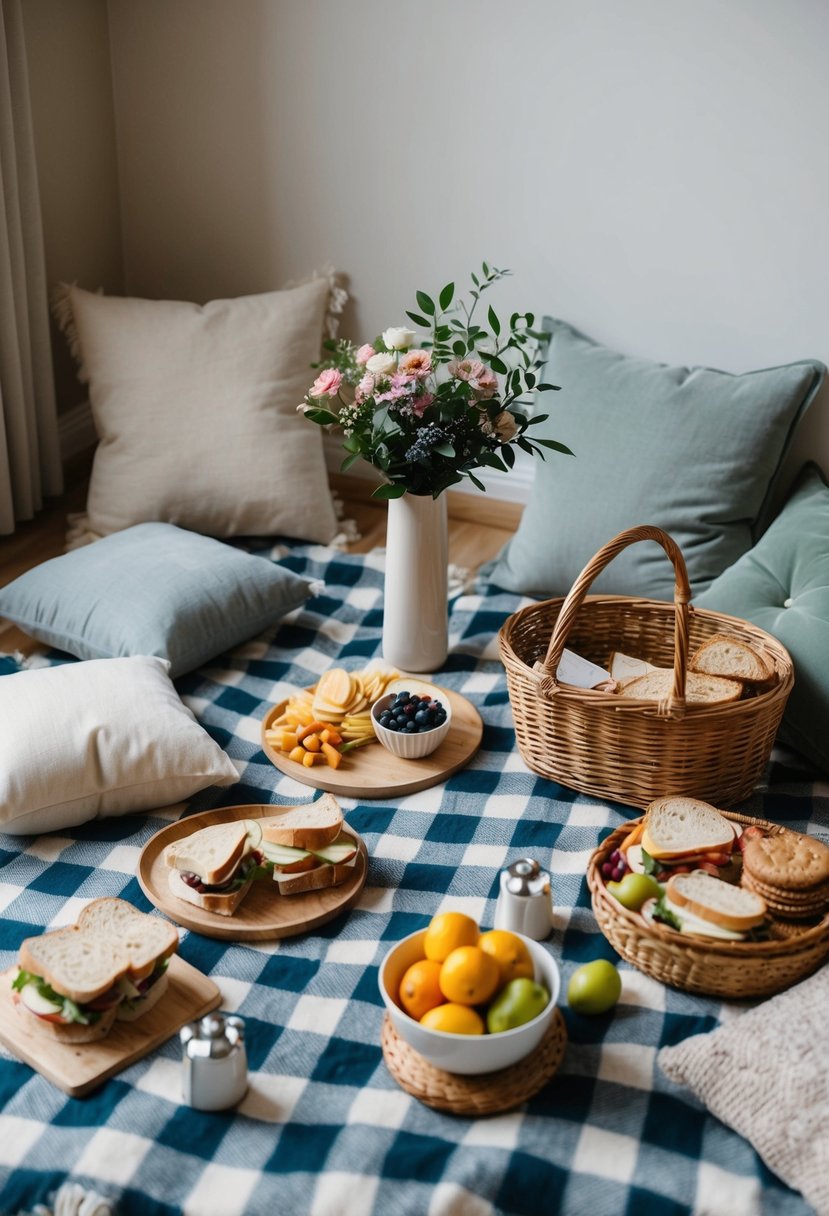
x: 478, y: 527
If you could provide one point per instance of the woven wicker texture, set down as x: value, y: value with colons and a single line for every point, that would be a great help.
x: 629, y: 750
x: 487, y: 1094
x: 736, y: 970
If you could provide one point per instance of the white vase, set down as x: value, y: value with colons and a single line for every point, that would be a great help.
x: 415, y: 612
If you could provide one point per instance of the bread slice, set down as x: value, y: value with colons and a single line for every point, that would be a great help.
x: 213, y: 852
x: 733, y: 658
x: 69, y: 1032
x: 325, y: 875
x: 677, y: 827
x: 312, y: 825
x: 720, y: 903
x: 658, y: 685
x: 145, y: 939
x: 79, y: 965
x: 224, y: 903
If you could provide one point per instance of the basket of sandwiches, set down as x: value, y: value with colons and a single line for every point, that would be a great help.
x: 713, y: 902
x: 687, y: 701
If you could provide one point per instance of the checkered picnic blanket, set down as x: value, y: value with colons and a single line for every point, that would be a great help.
x: 324, y: 1128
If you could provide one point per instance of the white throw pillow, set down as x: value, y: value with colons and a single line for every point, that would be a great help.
x: 98, y: 738
x: 196, y: 411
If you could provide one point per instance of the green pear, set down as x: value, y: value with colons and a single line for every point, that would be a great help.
x: 518, y: 1002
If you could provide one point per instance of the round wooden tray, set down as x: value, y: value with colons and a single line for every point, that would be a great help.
x: 486, y: 1094
x: 373, y: 772
x: 264, y: 914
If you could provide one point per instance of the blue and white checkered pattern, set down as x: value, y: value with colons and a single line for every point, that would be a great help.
x: 324, y: 1128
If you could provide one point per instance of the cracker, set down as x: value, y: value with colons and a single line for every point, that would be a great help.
x: 789, y: 861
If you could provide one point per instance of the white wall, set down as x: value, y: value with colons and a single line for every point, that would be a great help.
x: 652, y: 170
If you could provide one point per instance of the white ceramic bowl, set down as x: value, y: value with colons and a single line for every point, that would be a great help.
x: 415, y: 746
x: 467, y: 1054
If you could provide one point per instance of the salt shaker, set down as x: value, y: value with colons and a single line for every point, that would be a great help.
x: 214, y: 1065
x: 525, y: 901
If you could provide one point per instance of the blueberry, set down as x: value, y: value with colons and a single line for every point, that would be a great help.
x: 422, y: 717
x: 392, y: 725
x: 402, y: 698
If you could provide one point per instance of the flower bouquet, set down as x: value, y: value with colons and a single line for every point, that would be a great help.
x: 427, y: 414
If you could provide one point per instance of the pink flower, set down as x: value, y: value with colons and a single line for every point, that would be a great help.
x: 420, y: 404
x: 416, y: 363
x: 466, y: 369
x: 364, y: 354
x: 365, y: 388
x: 327, y: 383
x: 485, y: 383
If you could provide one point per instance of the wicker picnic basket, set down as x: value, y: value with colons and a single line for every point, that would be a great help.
x: 622, y: 748
x: 732, y: 970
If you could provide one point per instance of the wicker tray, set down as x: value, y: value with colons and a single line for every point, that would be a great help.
x: 621, y: 748
x: 734, y: 970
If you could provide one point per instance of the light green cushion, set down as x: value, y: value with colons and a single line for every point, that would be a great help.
x: 782, y: 585
x: 153, y: 589
x: 692, y: 450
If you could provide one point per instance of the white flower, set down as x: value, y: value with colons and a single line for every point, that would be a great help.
x: 398, y: 337
x: 382, y: 364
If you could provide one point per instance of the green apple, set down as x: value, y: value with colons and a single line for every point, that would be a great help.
x: 594, y: 987
x: 632, y: 890
x: 518, y: 1002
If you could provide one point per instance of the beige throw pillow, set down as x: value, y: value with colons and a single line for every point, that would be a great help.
x: 766, y: 1074
x: 98, y: 738
x: 195, y: 409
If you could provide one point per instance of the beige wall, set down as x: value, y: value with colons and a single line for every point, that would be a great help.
x: 652, y: 171
x: 71, y: 90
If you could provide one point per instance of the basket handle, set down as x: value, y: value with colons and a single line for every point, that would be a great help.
x: 682, y: 595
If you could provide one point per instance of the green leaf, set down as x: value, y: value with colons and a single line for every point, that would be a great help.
x: 351, y: 459
x: 649, y: 864
x: 384, y: 493
x: 445, y: 298
x: 493, y: 320
x: 534, y: 421
x: 352, y: 444
x: 459, y: 348
x: 444, y: 449
x: 478, y: 484
x: 556, y: 447
x: 498, y: 365
x: 666, y: 916
x: 425, y: 303
x: 320, y: 416
x: 418, y: 320
x: 492, y: 461
x: 546, y: 388
x: 508, y: 455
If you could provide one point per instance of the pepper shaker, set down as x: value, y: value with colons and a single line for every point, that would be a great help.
x: 525, y: 901
x: 214, y: 1064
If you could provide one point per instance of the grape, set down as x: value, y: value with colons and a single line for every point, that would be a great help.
x: 607, y: 869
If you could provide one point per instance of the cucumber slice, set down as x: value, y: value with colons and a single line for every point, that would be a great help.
x: 283, y: 854
x: 338, y: 851
x: 254, y: 830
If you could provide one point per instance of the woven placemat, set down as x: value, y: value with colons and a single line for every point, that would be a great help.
x: 486, y: 1094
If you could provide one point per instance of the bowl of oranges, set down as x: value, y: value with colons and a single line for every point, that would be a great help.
x: 469, y: 1001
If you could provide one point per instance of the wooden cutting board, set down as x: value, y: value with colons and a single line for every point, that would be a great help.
x: 78, y: 1068
x: 373, y: 772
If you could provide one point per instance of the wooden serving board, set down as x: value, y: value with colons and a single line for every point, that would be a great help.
x: 78, y: 1068
x: 264, y: 914
x: 373, y: 772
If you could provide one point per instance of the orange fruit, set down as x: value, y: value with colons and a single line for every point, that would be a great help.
x: 469, y: 976
x: 446, y: 932
x: 419, y: 988
x: 510, y: 953
x: 453, y: 1019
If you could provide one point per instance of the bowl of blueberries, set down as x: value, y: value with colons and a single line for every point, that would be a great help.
x: 411, y: 724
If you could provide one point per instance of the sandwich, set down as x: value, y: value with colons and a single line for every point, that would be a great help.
x: 306, y: 849
x: 708, y: 907
x: 72, y: 983
x: 680, y: 834
x: 213, y: 868
x: 700, y: 689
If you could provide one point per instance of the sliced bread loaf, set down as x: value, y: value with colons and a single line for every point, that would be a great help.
x: 732, y: 658
x: 677, y: 826
x: 312, y: 825
x: 657, y: 685
x: 76, y: 964
x: 145, y: 939
x: 213, y: 852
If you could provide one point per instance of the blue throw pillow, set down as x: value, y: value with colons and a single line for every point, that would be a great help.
x: 153, y: 589
x: 690, y: 449
x: 782, y: 585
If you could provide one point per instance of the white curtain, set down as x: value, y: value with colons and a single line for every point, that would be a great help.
x: 30, y: 465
